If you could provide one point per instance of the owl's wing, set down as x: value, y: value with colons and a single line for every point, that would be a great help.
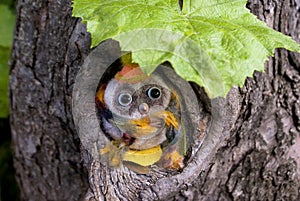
x: 172, y: 135
x: 110, y: 129
x: 174, y: 105
x: 176, y: 135
x: 106, y: 116
x: 174, y: 150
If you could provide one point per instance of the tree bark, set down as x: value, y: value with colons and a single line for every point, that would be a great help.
x: 251, y: 152
x: 49, y: 46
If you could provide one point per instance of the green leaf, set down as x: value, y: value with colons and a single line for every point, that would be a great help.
x: 216, y: 43
x: 4, y: 57
x: 7, y: 23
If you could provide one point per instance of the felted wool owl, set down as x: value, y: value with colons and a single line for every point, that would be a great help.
x: 141, y: 116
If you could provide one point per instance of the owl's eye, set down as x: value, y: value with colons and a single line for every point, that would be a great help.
x: 124, y: 99
x: 154, y: 93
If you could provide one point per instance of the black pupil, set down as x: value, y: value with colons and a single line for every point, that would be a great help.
x: 125, y: 99
x: 154, y: 93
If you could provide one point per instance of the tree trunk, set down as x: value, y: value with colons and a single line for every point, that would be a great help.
x: 251, y: 152
x: 49, y: 46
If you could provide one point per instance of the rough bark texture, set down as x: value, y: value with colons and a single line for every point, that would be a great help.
x: 256, y: 158
x: 49, y: 45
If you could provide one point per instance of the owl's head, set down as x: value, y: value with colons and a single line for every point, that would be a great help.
x: 133, y: 94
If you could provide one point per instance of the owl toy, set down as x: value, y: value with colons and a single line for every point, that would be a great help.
x: 141, y: 116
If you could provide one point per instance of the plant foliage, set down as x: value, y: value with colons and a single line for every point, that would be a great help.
x: 215, y: 43
x: 7, y: 21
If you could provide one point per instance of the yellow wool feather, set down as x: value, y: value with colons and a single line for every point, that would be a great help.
x: 143, y: 157
x: 170, y: 119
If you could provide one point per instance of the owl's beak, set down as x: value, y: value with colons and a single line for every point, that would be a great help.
x: 144, y: 108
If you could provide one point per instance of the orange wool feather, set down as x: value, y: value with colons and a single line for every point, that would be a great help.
x: 130, y: 74
x: 100, y: 94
